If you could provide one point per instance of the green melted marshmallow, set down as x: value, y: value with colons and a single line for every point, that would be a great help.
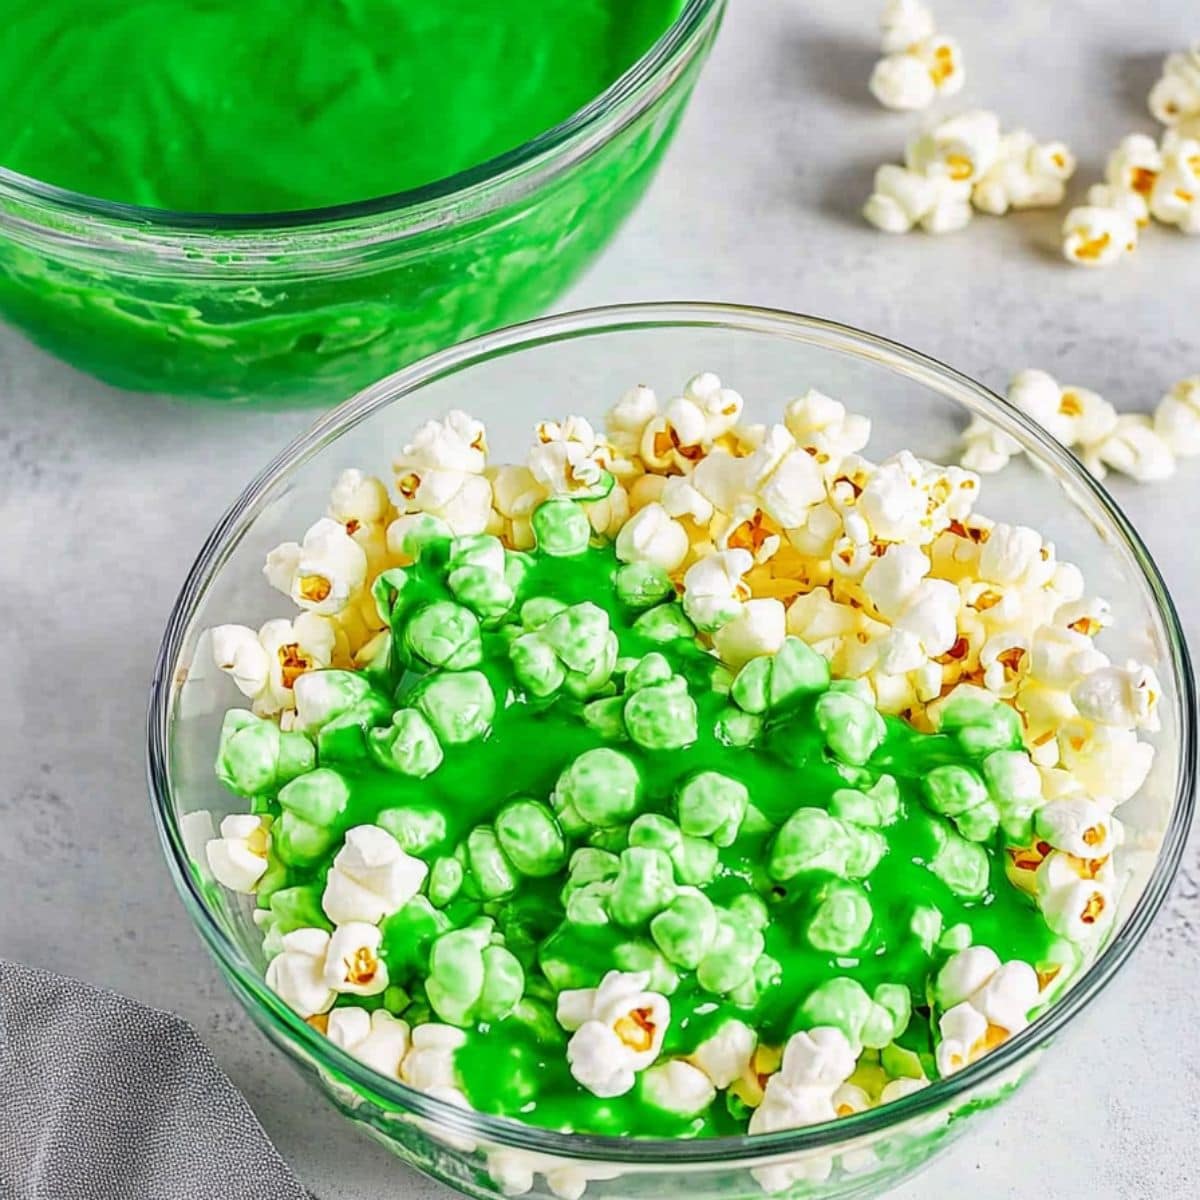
x: 546, y: 733
x: 222, y: 106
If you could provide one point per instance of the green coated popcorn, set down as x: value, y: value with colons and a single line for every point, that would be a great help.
x: 648, y: 671
x: 959, y: 793
x: 561, y: 528
x: 736, y: 947
x: 319, y: 797
x: 962, y: 865
x: 865, y: 847
x: 589, y: 904
x: 776, y: 681
x: 417, y: 827
x: 537, y: 610
x: 445, y: 880
x: 581, y: 637
x: 694, y: 859
x: 878, y: 805
x: 1015, y: 785
x: 810, y: 840
x: 867, y: 1020
x: 644, y: 886
x: 841, y: 919
x: 662, y: 716
x: 490, y: 869
x: 424, y: 529
x: 613, y: 838
x: 642, y: 585
x: 685, y: 929
x: 853, y: 729
x: 471, y: 978
x: 737, y: 728
x: 901, y: 1063
x: 531, y: 838
x: 602, y: 786
x: 926, y: 926
x: 607, y: 717
x: 460, y: 706
x: 637, y: 954
x: 254, y: 757
x: 712, y: 805
x: 891, y: 1011
x: 289, y: 908
x: 478, y: 576
x: 664, y: 623
x: 536, y: 665
x: 409, y: 745
x: 589, y: 865
x: 444, y: 634
x: 980, y: 722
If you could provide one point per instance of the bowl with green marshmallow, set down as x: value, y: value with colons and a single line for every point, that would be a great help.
x: 273, y: 210
x: 614, y: 756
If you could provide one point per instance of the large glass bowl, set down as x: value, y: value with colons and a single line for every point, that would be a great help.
x: 310, y: 306
x: 578, y: 364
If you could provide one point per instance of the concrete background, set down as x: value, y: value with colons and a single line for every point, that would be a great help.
x: 105, y: 497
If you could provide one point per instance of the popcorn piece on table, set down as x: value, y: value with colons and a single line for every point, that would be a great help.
x: 617, y: 1031
x: 1175, y: 198
x: 904, y: 23
x: 1134, y: 448
x: 904, y: 198
x: 1175, y: 98
x: 962, y: 148
x: 1130, y: 174
x: 914, y: 77
x: 1177, y: 418
x: 1098, y: 237
x: 1025, y: 174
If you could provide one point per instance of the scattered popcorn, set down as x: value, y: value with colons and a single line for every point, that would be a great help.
x: 1175, y: 197
x: 617, y: 1030
x: 1175, y: 98
x: 1098, y: 237
x: 1177, y: 418
x: 1025, y: 174
x: 1133, y: 448
x: 917, y: 65
x: 904, y: 198
x: 903, y: 23
x: 962, y: 148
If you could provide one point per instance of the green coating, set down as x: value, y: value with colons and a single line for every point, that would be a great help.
x: 812, y: 881
x: 278, y: 106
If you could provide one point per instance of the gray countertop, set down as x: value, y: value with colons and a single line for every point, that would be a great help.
x: 105, y: 497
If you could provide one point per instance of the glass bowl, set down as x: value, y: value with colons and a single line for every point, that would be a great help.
x: 310, y: 306
x: 579, y: 363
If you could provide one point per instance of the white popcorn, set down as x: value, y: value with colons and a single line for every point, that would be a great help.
x: 1133, y: 448
x: 1025, y: 174
x: 323, y: 573
x: 722, y: 406
x: 628, y: 418
x: 618, y: 1030
x: 238, y: 858
x: 429, y: 1063
x: 1077, y: 825
x: 680, y: 498
x: 651, y: 536
x: 1134, y: 165
x: 1109, y: 764
x: 1126, y: 697
x: 458, y: 444
x: 824, y: 429
x: 1175, y: 199
x: 1177, y: 418
x: 1072, y: 415
x: 1078, y: 909
x: 371, y: 877
x: 359, y: 499
x: 961, y: 149
x: 903, y: 23
x: 964, y: 973
x: 678, y: 1087
x: 1059, y: 656
x: 725, y: 1055
x: 759, y: 627
x: 963, y: 1030
x: 378, y: 1040
x: 904, y: 198
x: 914, y: 77
x: 819, y: 1057
x: 987, y: 449
x: 297, y: 973
x: 932, y: 616
x: 1134, y: 205
x: 1176, y: 96
x: 461, y: 499
x: 1098, y: 237
x: 985, y: 1003
x: 892, y: 579
x: 352, y: 962
x: 565, y: 458
x: 239, y: 652
x: 714, y: 590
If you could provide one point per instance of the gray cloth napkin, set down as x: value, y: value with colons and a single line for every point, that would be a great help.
x: 105, y: 1099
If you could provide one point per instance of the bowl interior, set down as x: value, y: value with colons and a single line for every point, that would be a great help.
x: 580, y: 364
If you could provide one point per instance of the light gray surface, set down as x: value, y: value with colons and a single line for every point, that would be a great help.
x: 104, y: 499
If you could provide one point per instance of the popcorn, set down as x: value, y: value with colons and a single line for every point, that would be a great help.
x: 1025, y: 174
x: 1077, y: 903
x: 1133, y: 448
x: 1073, y: 415
x: 758, y: 628
x: 1098, y: 237
x: 441, y: 473
x: 1126, y: 697
x: 371, y: 877
x: 816, y: 1062
x: 914, y: 77
x: 1177, y: 418
x: 726, y: 1055
x: 1134, y: 166
x: 297, y: 973
x: 1077, y: 825
x: 286, y: 649
x: 1175, y: 199
x: 617, y: 1031
x: 902, y: 23
x: 824, y: 429
x: 714, y: 589
x: 651, y: 536
x: 377, y: 1039
x: 961, y: 149
x: 352, y: 963
x: 361, y: 503
x: 904, y: 198
x: 1175, y: 98
x: 986, y: 449
x: 1109, y: 764
x: 238, y: 858
x: 1135, y: 206
x: 429, y: 1063
x: 628, y: 418
x: 678, y: 1087
x: 565, y: 459
x: 323, y: 573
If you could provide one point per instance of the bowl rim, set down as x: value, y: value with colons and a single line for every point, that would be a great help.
x: 463, y: 189
x: 285, y: 1025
